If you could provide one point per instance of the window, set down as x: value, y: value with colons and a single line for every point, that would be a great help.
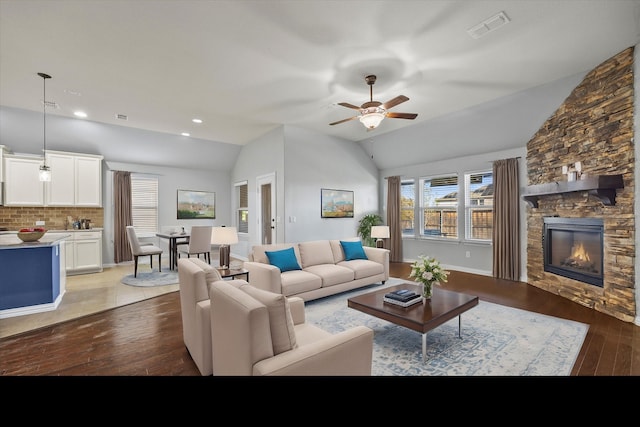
x: 479, y: 205
x: 407, y: 206
x: 144, y: 203
x: 242, y: 208
x: 439, y: 206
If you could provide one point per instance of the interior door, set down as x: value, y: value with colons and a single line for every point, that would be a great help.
x: 266, y: 185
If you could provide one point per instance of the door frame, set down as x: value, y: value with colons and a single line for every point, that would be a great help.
x: 270, y: 180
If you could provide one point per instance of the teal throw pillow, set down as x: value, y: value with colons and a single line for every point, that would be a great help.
x: 285, y: 259
x: 353, y: 250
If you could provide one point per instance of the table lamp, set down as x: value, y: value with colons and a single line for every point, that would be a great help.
x: 224, y: 236
x: 380, y: 232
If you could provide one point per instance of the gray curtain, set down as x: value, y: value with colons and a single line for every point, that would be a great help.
x: 506, y: 219
x: 393, y: 218
x: 121, y: 216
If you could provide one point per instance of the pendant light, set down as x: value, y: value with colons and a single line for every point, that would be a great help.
x: 45, y: 171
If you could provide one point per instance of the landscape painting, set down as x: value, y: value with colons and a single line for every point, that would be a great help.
x: 336, y: 203
x: 196, y: 204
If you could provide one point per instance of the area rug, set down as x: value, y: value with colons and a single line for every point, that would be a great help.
x: 153, y: 278
x: 496, y: 341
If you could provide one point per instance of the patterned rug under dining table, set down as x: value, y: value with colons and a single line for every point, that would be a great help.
x: 421, y: 317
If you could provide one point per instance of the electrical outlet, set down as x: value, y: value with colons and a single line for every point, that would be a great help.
x: 39, y: 223
x: 468, y: 254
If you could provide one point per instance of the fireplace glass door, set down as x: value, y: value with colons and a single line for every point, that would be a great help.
x: 573, y: 248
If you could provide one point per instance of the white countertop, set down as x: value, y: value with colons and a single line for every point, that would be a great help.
x: 10, y: 240
x: 56, y: 231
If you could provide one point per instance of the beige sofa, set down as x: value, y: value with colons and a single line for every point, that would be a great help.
x: 256, y: 332
x: 323, y: 269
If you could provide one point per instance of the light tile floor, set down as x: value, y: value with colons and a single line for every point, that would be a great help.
x: 87, y: 294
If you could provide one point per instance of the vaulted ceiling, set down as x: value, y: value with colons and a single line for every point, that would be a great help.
x: 246, y: 67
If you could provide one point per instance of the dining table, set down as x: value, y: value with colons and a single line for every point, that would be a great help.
x: 175, y: 239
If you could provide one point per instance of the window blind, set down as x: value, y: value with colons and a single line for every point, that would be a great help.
x: 144, y: 203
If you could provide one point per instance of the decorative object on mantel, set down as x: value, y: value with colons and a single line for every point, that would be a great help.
x: 428, y: 272
x: 601, y: 186
x: 45, y: 171
x: 573, y: 171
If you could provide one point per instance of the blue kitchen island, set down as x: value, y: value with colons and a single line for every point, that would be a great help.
x: 32, y: 275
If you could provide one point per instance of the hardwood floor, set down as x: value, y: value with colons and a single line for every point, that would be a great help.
x: 145, y: 338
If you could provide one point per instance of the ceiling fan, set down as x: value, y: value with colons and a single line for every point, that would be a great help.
x: 372, y: 112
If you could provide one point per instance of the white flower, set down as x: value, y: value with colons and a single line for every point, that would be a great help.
x: 427, y: 270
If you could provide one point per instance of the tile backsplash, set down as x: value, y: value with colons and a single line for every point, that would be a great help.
x: 13, y: 218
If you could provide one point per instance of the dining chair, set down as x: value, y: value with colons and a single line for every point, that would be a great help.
x: 138, y: 250
x: 199, y: 242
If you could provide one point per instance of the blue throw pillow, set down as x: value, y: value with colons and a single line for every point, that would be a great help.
x: 353, y: 250
x: 285, y: 259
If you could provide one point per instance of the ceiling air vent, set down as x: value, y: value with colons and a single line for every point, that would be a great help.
x: 122, y: 117
x: 488, y: 25
x: 51, y: 104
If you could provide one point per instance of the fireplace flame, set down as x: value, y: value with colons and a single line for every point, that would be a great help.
x: 579, y: 253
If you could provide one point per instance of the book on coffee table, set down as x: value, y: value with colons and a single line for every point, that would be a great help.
x: 403, y: 299
x: 408, y: 303
x: 402, y: 295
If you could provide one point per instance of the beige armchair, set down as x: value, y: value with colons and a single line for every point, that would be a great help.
x: 256, y: 332
x: 194, y: 276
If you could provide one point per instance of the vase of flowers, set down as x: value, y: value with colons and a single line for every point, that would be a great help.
x: 428, y: 272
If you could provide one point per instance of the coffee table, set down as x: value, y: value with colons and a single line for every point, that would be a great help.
x: 421, y: 317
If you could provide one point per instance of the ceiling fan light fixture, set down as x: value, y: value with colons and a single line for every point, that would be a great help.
x: 371, y: 120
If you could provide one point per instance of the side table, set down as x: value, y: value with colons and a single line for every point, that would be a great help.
x: 233, y: 273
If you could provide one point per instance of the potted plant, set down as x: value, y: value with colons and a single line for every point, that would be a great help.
x: 364, y: 228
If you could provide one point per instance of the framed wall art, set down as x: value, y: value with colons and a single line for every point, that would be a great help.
x: 336, y: 203
x: 196, y: 204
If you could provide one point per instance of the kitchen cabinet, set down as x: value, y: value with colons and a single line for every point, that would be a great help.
x: 22, y: 184
x: 3, y: 151
x: 23, y: 288
x: 83, y: 251
x: 76, y: 180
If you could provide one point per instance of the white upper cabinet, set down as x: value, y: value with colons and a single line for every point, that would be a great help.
x: 76, y: 180
x: 3, y: 152
x: 22, y: 183
x: 88, y: 188
x: 60, y: 190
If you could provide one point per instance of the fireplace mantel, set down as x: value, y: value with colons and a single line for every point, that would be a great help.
x: 601, y: 186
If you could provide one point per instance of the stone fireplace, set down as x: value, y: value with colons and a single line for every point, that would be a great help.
x: 594, y: 214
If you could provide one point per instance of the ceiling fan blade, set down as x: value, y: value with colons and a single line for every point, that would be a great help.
x: 395, y: 101
x: 346, y: 104
x: 409, y: 116
x: 344, y: 120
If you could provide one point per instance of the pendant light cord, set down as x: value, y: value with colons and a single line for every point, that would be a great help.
x: 44, y: 115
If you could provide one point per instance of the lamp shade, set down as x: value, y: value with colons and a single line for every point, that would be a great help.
x: 224, y: 235
x: 380, y: 231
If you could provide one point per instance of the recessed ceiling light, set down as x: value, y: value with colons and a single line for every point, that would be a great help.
x: 72, y: 92
x: 185, y: 134
x: 196, y: 120
x: 80, y: 114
